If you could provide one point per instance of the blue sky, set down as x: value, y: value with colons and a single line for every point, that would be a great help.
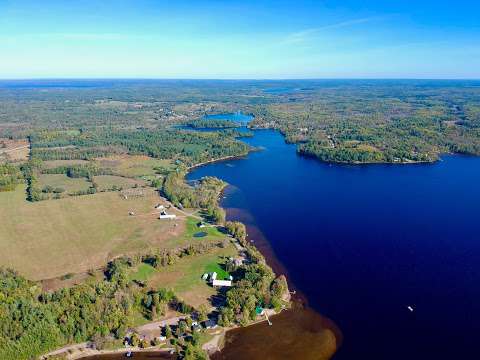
x: 240, y: 39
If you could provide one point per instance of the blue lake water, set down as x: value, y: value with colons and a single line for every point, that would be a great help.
x: 238, y: 117
x: 364, y: 242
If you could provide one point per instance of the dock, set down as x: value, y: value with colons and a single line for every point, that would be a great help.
x: 266, y: 317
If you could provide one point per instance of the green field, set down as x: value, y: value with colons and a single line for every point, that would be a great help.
x: 185, y: 276
x: 107, y: 182
x: 57, y: 163
x: 62, y: 181
x: 216, y: 267
x: 50, y: 238
x: 134, y: 166
x: 142, y: 273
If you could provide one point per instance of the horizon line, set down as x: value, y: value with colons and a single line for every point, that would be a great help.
x: 241, y: 79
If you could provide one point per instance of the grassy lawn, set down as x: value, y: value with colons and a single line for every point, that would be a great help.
x: 142, y: 273
x: 62, y: 181
x: 106, y: 182
x: 191, y: 228
x: 50, y: 238
x: 185, y: 276
x: 216, y: 267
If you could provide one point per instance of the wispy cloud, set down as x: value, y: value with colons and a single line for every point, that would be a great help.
x: 304, y: 35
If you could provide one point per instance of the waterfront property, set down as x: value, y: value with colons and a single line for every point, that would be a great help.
x: 420, y: 253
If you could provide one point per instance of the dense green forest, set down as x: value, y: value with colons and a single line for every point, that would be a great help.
x: 212, y: 123
x: 187, y: 147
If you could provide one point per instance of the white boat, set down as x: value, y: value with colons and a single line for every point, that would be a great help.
x: 410, y: 308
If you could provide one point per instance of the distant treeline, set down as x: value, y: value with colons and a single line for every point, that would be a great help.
x: 79, y: 171
x: 364, y: 122
x: 213, y: 123
x: 185, y: 146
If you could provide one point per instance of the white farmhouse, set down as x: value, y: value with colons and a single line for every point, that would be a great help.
x: 226, y: 283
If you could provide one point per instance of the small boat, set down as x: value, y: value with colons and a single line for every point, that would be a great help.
x: 410, y: 308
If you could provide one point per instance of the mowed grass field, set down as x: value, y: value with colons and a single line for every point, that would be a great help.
x: 134, y: 166
x: 57, y: 163
x: 70, y: 185
x: 185, y: 276
x: 50, y: 238
x: 106, y: 182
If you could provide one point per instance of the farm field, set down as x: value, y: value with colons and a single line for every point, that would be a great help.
x: 50, y: 238
x: 14, y: 150
x: 70, y: 185
x: 134, y: 166
x: 57, y: 163
x: 107, y: 182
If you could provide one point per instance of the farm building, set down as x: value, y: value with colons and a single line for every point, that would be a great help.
x: 213, y: 276
x: 226, y: 283
x: 164, y: 215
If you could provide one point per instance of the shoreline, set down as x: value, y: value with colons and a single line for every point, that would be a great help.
x: 225, y: 158
x: 214, y: 345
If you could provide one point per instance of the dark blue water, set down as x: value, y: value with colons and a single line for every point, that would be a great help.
x: 364, y: 242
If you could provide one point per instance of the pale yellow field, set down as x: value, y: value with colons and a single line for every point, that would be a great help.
x: 14, y: 150
x: 54, y: 237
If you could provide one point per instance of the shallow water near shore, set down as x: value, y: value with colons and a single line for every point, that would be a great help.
x: 365, y: 243
x: 146, y: 355
x: 294, y: 334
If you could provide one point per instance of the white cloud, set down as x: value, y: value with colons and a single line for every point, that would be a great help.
x: 305, y: 35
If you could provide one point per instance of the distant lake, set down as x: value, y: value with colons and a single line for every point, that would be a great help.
x: 238, y: 117
x: 365, y: 242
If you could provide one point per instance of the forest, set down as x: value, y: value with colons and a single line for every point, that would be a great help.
x: 357, y: 121
x: 186, y: 147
